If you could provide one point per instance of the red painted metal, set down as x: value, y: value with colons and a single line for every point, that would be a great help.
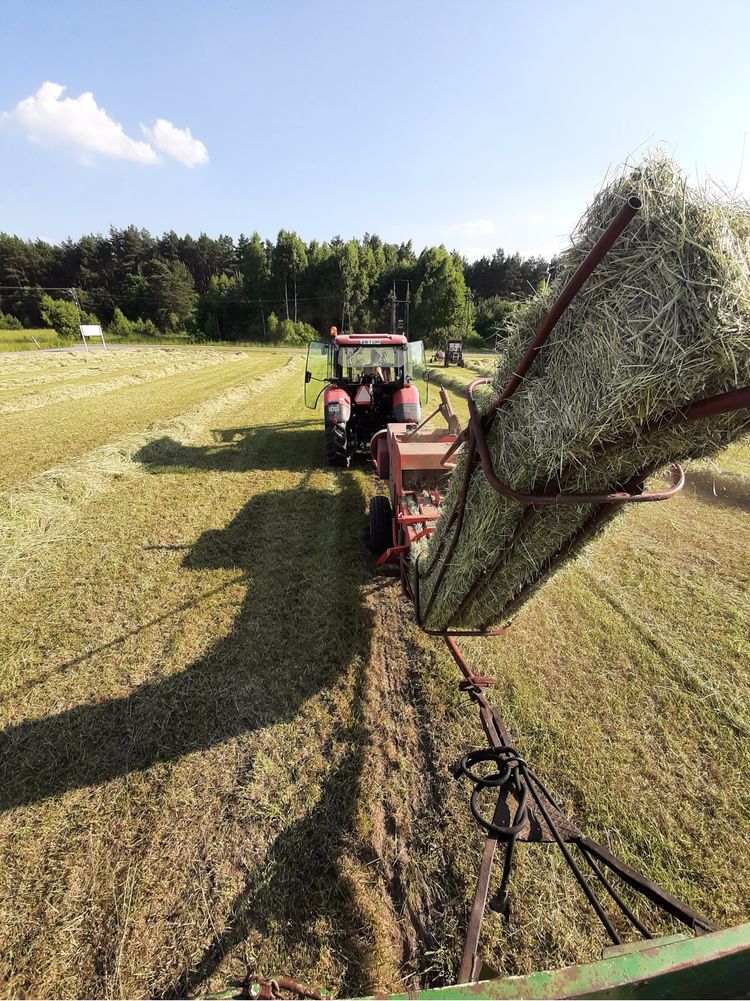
x: 334, y: 394
x: 594, y: 257
x: 550, y: 496
x: 406, y: 395
x: 714, y: 406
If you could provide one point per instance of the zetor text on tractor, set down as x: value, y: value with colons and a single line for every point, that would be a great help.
x: 366, y: 384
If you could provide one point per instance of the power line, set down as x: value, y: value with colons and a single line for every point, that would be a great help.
x: 37, y: 288
x: 150, y: 295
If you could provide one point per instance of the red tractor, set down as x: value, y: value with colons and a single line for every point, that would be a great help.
x: 366, y: 383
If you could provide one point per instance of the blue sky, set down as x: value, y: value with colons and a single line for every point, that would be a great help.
x: 476, y: 124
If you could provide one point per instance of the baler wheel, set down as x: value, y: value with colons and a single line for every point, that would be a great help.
x: 337, y: 450
x: 381, y: 525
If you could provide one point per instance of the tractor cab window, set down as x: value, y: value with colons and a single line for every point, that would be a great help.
x: 384, y: 364
x: 317, y: 371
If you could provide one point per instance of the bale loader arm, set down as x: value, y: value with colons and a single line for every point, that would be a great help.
x: 508, y: 800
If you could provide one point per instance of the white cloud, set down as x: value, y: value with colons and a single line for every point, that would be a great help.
x: 177, y: 143
x: 79, y: 123
x: 51, y: 119
x: 537, y: 218
x: 473, y: 253
x: 474, y: 227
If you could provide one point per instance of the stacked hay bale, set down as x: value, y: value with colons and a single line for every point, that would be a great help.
x: 663, y: 321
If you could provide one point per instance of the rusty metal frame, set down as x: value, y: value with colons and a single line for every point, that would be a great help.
x: 552, y: 493
x: 526, y: 811
x: 597, y: 253
x: 549, y: 496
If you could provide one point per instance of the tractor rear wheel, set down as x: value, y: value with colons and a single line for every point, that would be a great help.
x: 381, y: 525
x: 337, y: 446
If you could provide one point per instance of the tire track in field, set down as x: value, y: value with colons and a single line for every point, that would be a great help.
x: 42, y: 512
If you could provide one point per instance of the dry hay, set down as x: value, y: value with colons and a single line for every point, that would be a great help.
x: 664, y: 320
x: 45, y: 510
x: 58, y: 393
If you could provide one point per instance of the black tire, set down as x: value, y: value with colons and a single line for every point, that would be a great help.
x: 381, y: 525
x: 337, y: 446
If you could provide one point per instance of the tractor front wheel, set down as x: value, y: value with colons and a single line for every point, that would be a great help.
x: 381, y: 525
x: 337, y: 446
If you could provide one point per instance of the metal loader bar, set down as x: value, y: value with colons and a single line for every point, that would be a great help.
x: 522, y: 808
x: 552, y: 493
x: 526, y: 811
x: 597, y: 253
x: 607, y: 504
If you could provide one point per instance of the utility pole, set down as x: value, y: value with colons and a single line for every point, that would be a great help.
x: 400, y: 326
x: 74, y: 296
x: 468, y: 310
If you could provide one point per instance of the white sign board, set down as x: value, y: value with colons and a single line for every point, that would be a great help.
x: 91, y: 330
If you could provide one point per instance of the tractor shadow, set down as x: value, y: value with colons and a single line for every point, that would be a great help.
x: 284, y: 646
x: 301, y: 554
x: 306, y: 886
x: 289, y: 445
x: 292, y: 446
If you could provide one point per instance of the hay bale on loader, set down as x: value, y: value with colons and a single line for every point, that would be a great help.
x: 663, y: 321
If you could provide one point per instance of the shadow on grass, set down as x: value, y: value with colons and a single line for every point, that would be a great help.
x: 244, y: 448
x: 284, y: 646
x: 301, y: 628
x: 303, y: 556
x: 304, y: 887
x: 240, y: 449
x: 730, y: 489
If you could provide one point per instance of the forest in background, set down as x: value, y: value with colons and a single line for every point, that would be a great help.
x: 222, y: 289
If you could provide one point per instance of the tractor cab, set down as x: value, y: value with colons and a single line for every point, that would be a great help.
x: 454, y: 352
x: 366, y: 382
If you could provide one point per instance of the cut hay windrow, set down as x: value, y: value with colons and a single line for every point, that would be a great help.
x: 44, y: 511
x: 20, y: 403
x: 663, y: 321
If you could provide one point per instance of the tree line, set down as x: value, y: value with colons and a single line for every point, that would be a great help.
x: 254, y: 289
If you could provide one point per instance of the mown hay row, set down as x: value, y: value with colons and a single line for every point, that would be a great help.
x: 42, y: 366
x: 56, y: 394
x: 44, y: 510
x: 663, y: 321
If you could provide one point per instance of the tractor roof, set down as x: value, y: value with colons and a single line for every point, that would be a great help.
x: 369, y: 340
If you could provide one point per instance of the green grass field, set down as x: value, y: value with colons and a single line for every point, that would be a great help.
x: 225, y: 745
x: 24, y: 340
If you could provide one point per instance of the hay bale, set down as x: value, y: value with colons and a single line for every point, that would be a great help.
x: 664, y: 320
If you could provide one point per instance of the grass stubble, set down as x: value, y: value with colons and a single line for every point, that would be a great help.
x: 225, y: 744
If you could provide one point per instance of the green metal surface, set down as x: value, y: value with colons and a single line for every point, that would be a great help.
x: 716, y: 965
